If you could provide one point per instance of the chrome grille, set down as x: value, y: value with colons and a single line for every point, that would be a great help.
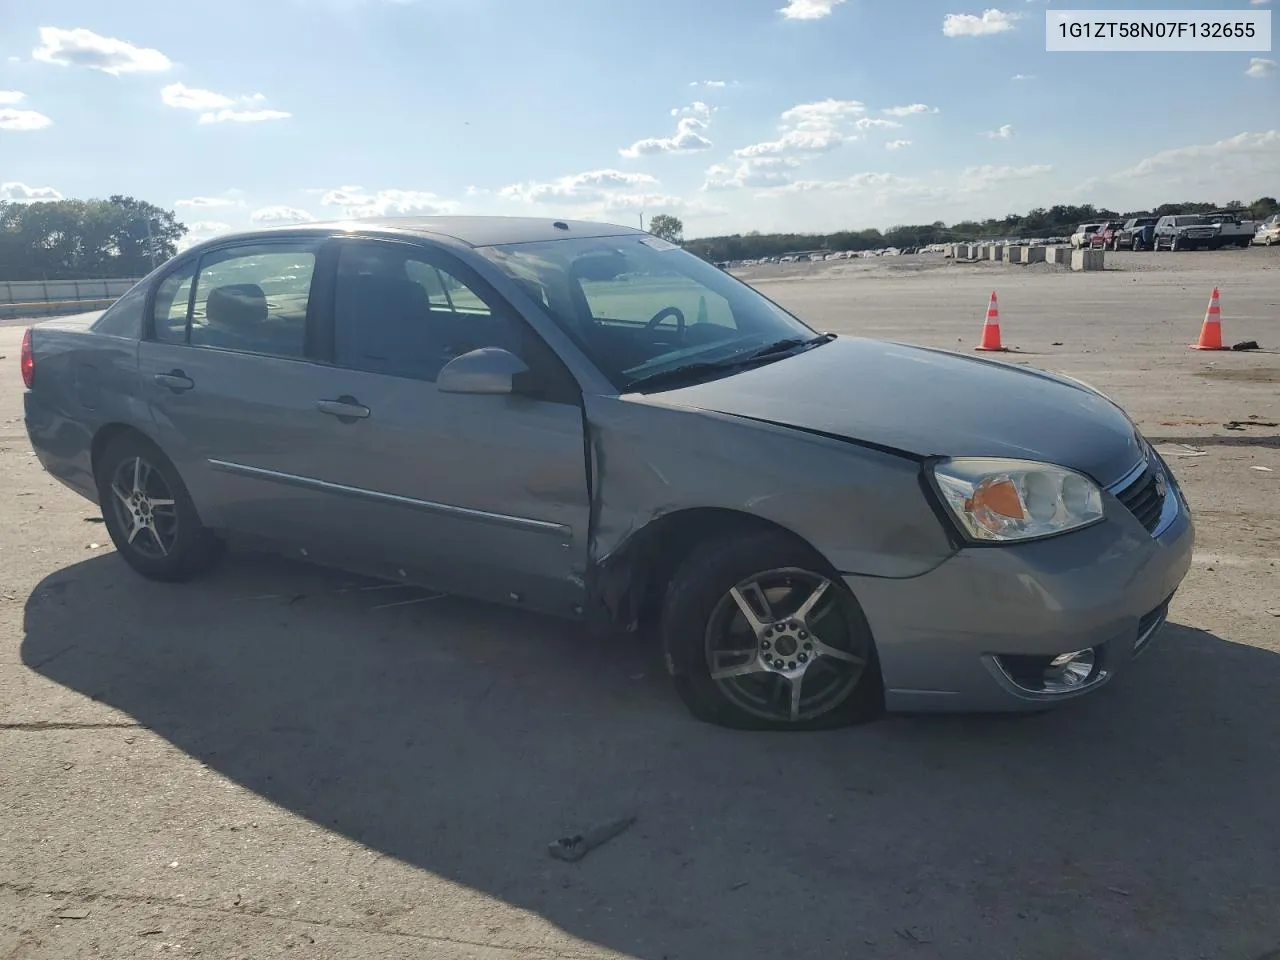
x: 1144, y: 497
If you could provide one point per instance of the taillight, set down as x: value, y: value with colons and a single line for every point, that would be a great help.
x: 27, y: 360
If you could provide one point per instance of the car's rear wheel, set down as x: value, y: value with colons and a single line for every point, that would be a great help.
x: 760, y: 634
x: 149, y: 514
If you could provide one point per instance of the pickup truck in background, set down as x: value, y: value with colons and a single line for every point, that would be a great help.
x: 1080, y: 238
x: 1104, y: 237
x: 1233, y: 230
x: 1189, y: 231
x: 1136, y: 234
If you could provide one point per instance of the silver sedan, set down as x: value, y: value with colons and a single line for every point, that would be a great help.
x: 588, y: 421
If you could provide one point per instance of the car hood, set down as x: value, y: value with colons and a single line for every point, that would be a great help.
x: 925, y: 402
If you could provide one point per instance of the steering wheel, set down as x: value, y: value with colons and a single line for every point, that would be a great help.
x: 663, y: 314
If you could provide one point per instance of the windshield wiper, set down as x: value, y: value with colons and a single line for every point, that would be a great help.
x: 787, y: 345
x: 685, y: 371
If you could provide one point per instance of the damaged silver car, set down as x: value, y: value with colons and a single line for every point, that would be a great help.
x: 588, y: 421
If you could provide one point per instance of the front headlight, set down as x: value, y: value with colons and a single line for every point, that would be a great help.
x: 1010, y: 500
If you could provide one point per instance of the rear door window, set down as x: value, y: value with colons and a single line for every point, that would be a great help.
x: 255, y: 299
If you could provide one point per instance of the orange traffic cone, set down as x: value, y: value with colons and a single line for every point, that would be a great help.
x: 1211, y: 329
x: 991, y: 328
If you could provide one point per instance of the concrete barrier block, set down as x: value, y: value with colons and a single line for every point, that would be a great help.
x: 1030, y: 254
x: 1061, y: 256
x: 995, y: 252
x: 1087, y: 259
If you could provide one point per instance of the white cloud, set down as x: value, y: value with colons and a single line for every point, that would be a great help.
x: 1003, y: 133
x: 1022, y: 76
x: 358, y: 202
x: 751, y: 172
x: 279, y: 215
x: 21, y: 193
x: 688, y: 137
x: 877, y: 189
x: 909, y: 110
x: 206, y: 202
x: 867, y: 123
x: 809, y: 128
x: 217, y: 107
x: 714, y: 84
x: 809, y: 9
x: 1258, y: 3
x: 1242, y: 163
x: 897, y: 144
x: 10, y: 97
x: 244, y: 116
x: 590, y: 187
x: 182, y: 97
x: 22, y: 121
x: 968, y: 25
x: 1260, y: 67
x: 84, y: 48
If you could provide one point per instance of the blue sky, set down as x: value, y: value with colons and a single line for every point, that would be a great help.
x: 819, y: 114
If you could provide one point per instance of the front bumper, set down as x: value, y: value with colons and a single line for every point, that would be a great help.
x: 941, y: 636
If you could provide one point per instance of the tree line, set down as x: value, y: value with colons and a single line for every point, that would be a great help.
x: 1057, y: 221
x: 120, y: 237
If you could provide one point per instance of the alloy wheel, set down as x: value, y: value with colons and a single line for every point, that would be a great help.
x: 145, y: 507
x: 786, y: 645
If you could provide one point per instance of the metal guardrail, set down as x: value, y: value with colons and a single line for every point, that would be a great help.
x: 48, y: 298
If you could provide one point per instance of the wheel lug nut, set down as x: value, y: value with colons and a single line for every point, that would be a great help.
x: 777, y: 664
x: 764, y: 644
x: 803, y: 658
x: 803, y: 635
x: 808, y: 646
x: 791, y: 665
x: 793, y: 625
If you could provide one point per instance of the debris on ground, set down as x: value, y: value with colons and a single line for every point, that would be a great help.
x: 914, y: 934
x: 73, y: 913
x: 1263, y: 469
x: 574, y: 848
x: 1246, y: 345
x: 1251, y: 422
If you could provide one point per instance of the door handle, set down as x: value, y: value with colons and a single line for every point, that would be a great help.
x: 345, y: 408
x: 175, y: 380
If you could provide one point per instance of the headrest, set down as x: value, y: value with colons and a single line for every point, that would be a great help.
x: 236, y: 304
x: 383, y: 292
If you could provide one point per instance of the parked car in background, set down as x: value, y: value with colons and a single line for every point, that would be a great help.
x: 1184, y: 232
x: 1268, y: 232
x: 817, y: 526
x: 1104, y: 237
x: 1233, y: 229
x: 1135, y: 234
x: 1083, y: 232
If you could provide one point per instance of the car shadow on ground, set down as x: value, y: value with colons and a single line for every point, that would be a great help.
x: 461, y: 739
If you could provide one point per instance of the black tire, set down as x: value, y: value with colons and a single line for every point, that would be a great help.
x: 176, y: 546
x: 698, y: 598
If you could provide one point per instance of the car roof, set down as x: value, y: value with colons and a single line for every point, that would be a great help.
x: 474, y: 231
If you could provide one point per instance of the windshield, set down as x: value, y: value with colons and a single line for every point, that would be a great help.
x: 1191, y: 221
x: 639, y: 306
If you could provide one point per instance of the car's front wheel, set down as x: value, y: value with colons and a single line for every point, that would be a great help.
x: 150, y: 515
x: 760, y: 634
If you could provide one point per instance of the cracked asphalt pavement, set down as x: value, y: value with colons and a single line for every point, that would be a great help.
x: 285, y: 761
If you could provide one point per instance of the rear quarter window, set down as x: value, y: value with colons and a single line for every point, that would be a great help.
x: 124, y: 317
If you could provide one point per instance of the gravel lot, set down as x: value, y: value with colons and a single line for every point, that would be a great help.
x: 273, y: 763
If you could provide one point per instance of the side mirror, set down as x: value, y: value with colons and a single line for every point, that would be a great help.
x: 489, y: 370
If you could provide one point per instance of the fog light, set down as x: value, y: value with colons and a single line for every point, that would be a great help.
x: 1069, y: 670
